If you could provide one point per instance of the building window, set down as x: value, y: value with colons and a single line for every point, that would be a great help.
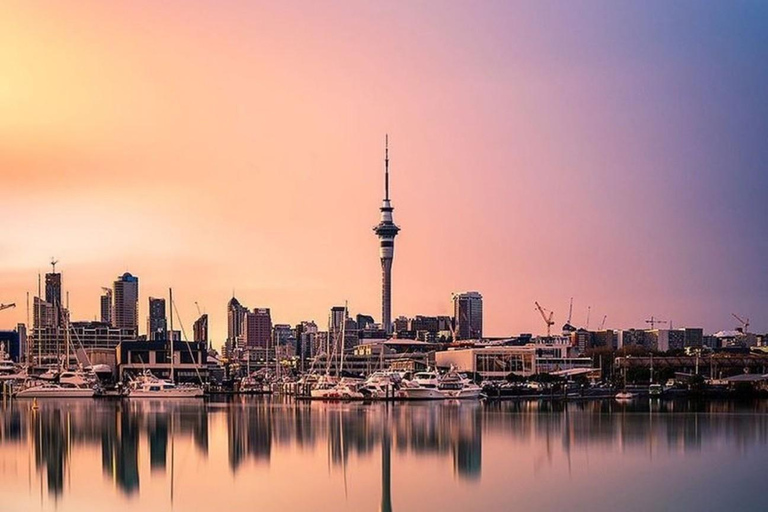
x: 501, y: 363
x: 139, y: 357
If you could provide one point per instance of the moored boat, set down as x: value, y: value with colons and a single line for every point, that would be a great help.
x: 149, y: 386
x: 52, y: 390
x: 457, y: 386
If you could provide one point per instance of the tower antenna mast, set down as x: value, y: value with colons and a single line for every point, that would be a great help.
x: 386, y: 167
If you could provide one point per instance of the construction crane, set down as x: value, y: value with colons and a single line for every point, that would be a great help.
x: 547, y: 318
x: 7, y: 306
x: 653, y: 321
x: 602, y: 324
x: 744, y: 323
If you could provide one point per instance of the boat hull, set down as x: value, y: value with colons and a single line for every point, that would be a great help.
x: 332, y: 394
x: 40, y: 392
x: 420, y: 394
x: 171, y: 393
x: 462, y: 394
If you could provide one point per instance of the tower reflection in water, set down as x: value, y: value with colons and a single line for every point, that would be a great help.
x: 256, y: 428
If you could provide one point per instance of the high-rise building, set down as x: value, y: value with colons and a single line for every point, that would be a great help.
x: 53, y: 295
x: 106, y: 306
x: 235, y: 315
x: 125, y: 307
x: 157, y: 323
x: 284, y: 339
x: 400, y: 324
x: 351, y: 334
x: 200, y: 329
x: 256, y: 329
x: 468, y: 315
x: 386, y: 230
x: 336, y: 320
x: 306, y: 333
x: 42, y: 313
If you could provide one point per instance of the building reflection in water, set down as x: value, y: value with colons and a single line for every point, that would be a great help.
x: 257, y: 427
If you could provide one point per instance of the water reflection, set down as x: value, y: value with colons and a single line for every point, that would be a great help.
x: 255, y: 429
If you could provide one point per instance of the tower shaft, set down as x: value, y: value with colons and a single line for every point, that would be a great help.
x: 386, y: 294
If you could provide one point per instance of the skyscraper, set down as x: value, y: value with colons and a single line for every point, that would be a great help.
x: 125, y: 307
x: 200, y: 328
x: 53, y: 294
x: 468, y: 315
x: 235, y: 314
x: 157, y: 323
x: 256, y: 329
x: 106, y: 306
x: 336, y: 320
x: 386, y: 230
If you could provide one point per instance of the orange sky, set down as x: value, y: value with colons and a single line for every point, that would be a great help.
x: 535, y: 155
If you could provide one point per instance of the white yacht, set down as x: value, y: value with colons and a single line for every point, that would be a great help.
x: 411, y: 390
x: 457, y: 386
x: 381, y: 385
x: 340, y: 391
x: 149, y: 386
x: 78, y: 378
x: 51, y: 390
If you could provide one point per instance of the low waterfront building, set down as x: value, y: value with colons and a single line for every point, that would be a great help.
x: 189, y: 359
x: 495, y: 362
x: 492, y: 363
x: 713, y: 365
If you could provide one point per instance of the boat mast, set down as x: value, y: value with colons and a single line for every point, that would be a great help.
x: 343, y: 336
x: 39, y: 323
x: 170, y: 338
x: 30, y: 335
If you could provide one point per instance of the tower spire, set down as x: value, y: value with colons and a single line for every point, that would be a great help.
x: 386, y: 167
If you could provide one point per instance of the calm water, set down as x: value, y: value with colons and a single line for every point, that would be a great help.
x: 274, y: 455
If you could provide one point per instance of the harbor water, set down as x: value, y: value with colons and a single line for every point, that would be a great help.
x: 274, y: 454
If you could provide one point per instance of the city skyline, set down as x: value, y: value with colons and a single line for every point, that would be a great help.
x: 632, y: 181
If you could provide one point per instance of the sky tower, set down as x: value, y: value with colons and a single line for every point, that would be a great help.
x: 386, y: 231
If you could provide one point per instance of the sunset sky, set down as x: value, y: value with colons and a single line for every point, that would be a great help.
x: 611, y: 152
